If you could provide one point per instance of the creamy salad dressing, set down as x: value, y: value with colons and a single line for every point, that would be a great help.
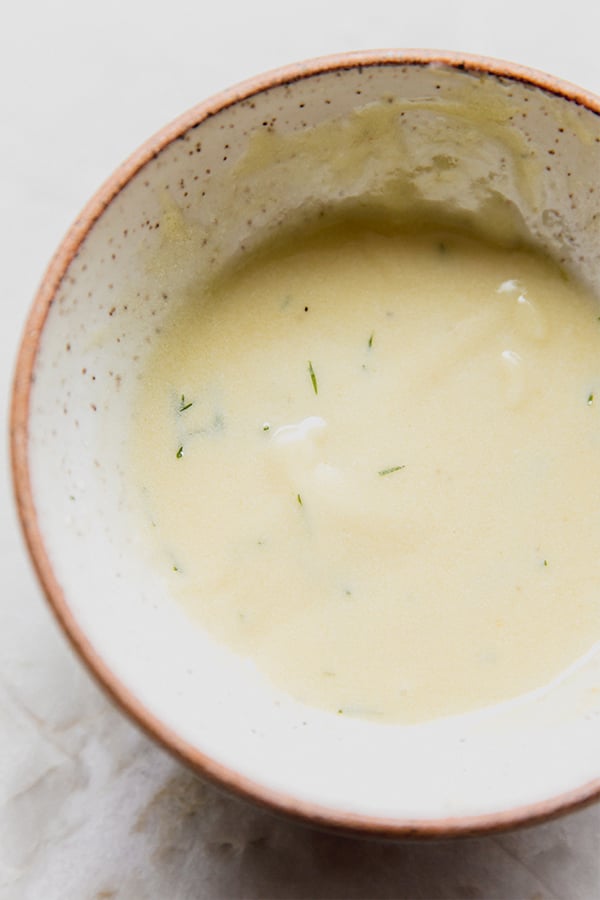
x: 369, y: 461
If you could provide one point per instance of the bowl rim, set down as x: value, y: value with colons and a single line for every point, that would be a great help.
x: 223, y: 776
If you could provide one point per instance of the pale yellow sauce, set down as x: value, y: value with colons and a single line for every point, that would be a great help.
x: 386, y: 489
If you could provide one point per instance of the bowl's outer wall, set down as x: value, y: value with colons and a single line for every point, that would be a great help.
x: 54, y: 290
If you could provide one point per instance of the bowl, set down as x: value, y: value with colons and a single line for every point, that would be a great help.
x: 453, y: 132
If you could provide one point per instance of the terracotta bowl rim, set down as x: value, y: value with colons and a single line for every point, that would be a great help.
x: 276, y: 801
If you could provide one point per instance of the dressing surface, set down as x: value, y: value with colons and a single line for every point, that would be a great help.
x: 368, y: 459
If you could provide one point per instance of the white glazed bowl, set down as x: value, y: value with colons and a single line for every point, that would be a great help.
x: 221, y: 177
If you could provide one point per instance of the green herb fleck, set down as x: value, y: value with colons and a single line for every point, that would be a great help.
x: 179, y: 453
x: 175, y: 569
x: 371, y: 339
x: 299, y: 499
x: 313, y: 377
x: 183, y: 405
x: 340, y: 712
x: 266, y: 426
x: 590, y: 400
x: 545, y: 562
x: 390, y: 470
x: 71, y: 497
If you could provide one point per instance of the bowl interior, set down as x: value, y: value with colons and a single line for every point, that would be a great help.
x: 398, y: 138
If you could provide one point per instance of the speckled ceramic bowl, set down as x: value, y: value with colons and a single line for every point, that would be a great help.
x: 462, y: 133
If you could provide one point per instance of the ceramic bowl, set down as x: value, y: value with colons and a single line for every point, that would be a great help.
x: 462, y: 133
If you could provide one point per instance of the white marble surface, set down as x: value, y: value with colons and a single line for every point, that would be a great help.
x: 90, y: 808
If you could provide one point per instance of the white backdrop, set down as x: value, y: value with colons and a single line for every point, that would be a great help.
x: 88, y: 807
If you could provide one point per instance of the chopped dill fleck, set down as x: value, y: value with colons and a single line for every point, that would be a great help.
x: 175, y: 569
x: 179, y: 453
x: 266, y: 426
x: 313, y: 377
x: 545, y: 562
x: 340, y: 712
x: 590, y: 400
x: 299, y: 499
x: 183, y: 405
x: 390, y: 470
x: 371, y: 339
